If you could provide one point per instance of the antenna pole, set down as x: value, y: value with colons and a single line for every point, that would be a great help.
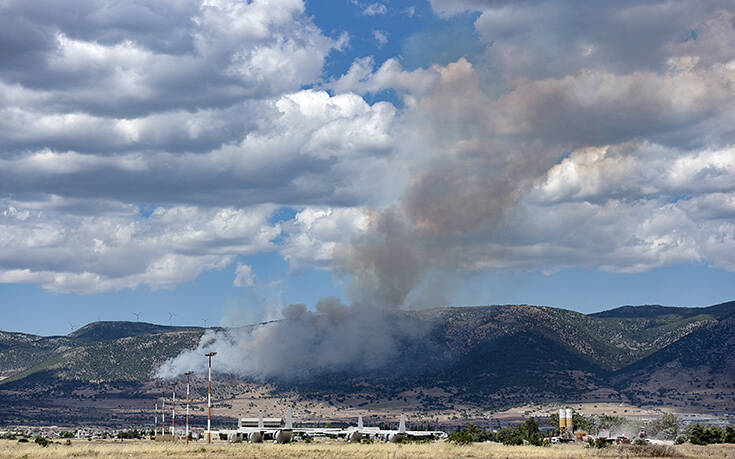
x: 188, y: 380
x: 209, y: 399
x: 173, y: 416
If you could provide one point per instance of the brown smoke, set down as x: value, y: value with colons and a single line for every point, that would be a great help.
x: 460, y: 195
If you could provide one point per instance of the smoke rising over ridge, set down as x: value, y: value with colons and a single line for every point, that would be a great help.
x: 336, y: 338
x: 462, y: 191
x: 558, y: 147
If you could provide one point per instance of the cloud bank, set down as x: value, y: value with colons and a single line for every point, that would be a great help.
x: 146, y: 143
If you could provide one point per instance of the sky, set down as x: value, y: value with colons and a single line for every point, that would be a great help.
x: 210, y: 162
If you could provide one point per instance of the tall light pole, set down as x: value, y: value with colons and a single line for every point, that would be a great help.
x: 163, y: 416
x: 209, y: 399
x: 155, y: 419
x: 173, y: 415
x: 188, y: 380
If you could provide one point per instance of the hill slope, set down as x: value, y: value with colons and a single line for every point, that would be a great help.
x: 100, y: 351
x: 490, y: 356
x: 106, y: 331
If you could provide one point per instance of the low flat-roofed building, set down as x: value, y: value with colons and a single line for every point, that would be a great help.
x: 267, y: 422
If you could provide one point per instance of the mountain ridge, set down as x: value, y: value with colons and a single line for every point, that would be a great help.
x: 490, y: 356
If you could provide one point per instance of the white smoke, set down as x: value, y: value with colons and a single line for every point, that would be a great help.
x: 336, y: 338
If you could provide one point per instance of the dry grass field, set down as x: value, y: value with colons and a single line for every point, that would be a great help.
x: 335, y: 449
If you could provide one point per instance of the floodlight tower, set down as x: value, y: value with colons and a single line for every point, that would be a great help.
x: 188, y: 381
x: 209, y: 399
x: 173, y: 415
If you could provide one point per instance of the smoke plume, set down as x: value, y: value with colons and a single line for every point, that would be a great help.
x: 465, y: 178
x: 464, y: 186
x: 335, y: 338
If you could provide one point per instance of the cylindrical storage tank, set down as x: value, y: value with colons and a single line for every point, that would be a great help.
x: 569, y: 418
x: 562, y: 419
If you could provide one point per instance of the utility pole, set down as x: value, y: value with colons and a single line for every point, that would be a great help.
x: 155, y: 419
x: 209, y: 399
x: 173, y: 416
x: 163, y: 416
x: 188, y: 380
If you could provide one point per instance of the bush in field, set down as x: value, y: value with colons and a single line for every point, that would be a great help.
x: 653, y: 451
x: 42, y: 441
x: 130, y: 434
x: 598, y: 443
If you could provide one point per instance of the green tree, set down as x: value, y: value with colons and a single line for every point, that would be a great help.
x: 460, y: 437
x: 696, y: 434
x: 666, y: 428
x: 530, y: 432
x: 554, y: 422
x: 714, y: 434
x: 581, y: 423
x: 729, y: 435
x: 471, y: 433
x: 510, y: 436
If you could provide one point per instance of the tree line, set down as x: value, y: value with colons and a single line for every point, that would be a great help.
x: 665, y: 428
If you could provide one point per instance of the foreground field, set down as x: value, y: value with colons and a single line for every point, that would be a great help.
x: 334, y: 449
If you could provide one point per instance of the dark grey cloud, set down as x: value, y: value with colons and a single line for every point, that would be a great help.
x: 160, y: 26
x: 135, y: 58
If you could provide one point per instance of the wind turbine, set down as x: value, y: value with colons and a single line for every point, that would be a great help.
x: 137, y: 316
x: 171, y: 316
x: 205, y: 322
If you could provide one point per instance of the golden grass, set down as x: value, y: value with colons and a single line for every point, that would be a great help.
x: 327, y: 449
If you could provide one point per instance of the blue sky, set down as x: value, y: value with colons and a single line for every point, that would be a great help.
x: 223, y: 160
